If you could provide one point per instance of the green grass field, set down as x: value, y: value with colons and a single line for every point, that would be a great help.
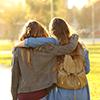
x: 93, y: 76
x: 5, y: 58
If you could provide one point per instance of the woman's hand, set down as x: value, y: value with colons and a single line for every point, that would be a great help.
x: 19, y: 44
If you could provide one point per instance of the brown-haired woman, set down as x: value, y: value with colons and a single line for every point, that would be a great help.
x: 32, y: 68
x: 59, y: 26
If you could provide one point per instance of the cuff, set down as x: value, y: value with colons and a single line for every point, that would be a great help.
x: 26, y: 42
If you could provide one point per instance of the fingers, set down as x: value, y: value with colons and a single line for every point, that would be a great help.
x: 75, y: 36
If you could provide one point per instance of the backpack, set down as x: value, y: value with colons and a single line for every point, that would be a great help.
x: 71, y: 74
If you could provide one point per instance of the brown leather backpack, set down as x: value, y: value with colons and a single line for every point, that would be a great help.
x: 71, y: 74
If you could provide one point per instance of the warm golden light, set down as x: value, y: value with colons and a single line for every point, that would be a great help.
x: 17, y: 0
x: 2, y: 11
x: 77, y: 3
x: 92, y: 0
x: 23, y: 3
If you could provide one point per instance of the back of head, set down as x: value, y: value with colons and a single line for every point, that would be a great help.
x: 62, y: 31
x: 59, y: 28
x: 33, y: 29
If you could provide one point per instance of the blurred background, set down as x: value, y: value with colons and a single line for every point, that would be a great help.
x: 82, y: 15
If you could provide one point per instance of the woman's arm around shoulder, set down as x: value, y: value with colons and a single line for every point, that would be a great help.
x: 35, y: 42
x: 61, y: 50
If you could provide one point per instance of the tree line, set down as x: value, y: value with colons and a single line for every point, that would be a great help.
x: 15, y: 14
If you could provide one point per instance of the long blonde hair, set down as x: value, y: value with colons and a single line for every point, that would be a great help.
x: 32, y: 29
x: 60, y: 29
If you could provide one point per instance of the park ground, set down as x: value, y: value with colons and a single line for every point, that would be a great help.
x: 5, y: 82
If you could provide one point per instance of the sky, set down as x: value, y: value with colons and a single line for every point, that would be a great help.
x: 78, y: 3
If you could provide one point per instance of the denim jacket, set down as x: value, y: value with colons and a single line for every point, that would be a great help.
x: 60, y: 93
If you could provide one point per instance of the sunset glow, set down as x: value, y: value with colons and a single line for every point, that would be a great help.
x: 77, y: 3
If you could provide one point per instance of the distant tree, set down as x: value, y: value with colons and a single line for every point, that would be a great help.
x: 38, y: 10
x: 41, y: 10
x: 14, y: 17
x: 84, y: 17
x: 60, y: 9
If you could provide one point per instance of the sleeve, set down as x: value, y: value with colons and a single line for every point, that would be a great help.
x: 15, y: 76
x: 61, y: 50
x: 34, y: 42
x: 86, y: 59
x: 87, y: 62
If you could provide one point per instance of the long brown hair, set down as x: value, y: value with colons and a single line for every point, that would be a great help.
x: 60, y: 29
x: 32, y: 29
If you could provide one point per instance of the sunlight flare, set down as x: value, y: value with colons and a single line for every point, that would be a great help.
x: 77, y: 3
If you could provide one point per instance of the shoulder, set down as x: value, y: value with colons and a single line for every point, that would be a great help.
x: 83, y: 50
x: 15, y: 56
x: 82, y: 45
x: 48, y: 48
x: 17, y: 51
